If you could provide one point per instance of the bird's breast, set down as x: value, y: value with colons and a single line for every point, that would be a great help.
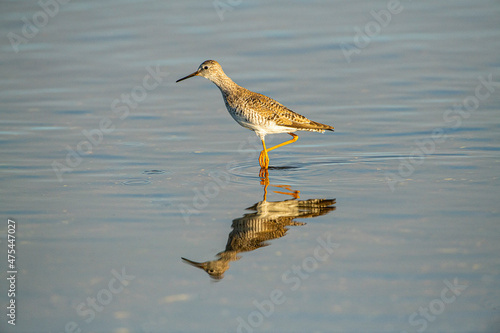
x: 243, y: 114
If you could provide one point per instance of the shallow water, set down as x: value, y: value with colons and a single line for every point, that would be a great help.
x: 113, y: 172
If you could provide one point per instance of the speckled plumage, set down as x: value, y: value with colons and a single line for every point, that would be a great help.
x: 255, y: 111
x: 264, y: 115
x: 270, y: 220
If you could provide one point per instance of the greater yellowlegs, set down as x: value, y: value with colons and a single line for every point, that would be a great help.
x: 257, y: 112
x: 269, y: 220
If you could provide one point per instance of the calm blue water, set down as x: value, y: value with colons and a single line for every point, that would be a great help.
x: 113, y: 172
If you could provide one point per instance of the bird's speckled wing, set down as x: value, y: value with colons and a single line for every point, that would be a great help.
x: 274, y: 111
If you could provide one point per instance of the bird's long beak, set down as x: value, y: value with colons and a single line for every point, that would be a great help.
x: 190, y: 75
x: 193, y: 263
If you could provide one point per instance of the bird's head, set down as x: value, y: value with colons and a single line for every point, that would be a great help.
x: 209, y: 69
x: 214, y: 268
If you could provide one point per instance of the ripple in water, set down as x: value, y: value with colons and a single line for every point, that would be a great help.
x: 154, y: 172
x: 136, y: 182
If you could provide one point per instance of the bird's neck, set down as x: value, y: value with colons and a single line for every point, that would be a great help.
x: 225, y: 84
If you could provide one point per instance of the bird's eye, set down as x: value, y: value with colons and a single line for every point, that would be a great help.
x: 206, y: 67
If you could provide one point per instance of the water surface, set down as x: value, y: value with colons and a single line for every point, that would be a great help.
x: 113, y: 172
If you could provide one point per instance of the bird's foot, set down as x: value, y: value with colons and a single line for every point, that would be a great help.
x: 264, y: 160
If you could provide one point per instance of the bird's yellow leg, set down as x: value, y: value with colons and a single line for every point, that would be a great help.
x: 264, y: 180
x: 264, y: 157
x: 264, y: 174
x: 295, y: 138
x: 294, y: 194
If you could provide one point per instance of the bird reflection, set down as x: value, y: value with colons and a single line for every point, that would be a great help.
x: 269, y: 220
